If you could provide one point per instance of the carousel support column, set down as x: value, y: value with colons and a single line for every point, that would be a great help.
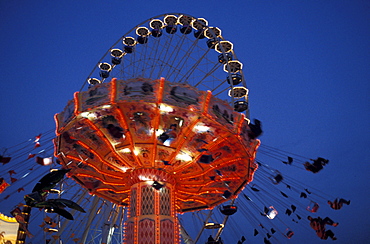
x: 152, y: 218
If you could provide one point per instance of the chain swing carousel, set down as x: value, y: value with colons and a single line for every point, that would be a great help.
x: 163, y: 130
x: 156, y: 145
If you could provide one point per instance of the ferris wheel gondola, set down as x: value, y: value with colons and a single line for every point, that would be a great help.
x: 228, y: 209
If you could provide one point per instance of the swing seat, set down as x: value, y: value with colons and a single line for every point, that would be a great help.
x: 313, y: 207
x: 271, y: 212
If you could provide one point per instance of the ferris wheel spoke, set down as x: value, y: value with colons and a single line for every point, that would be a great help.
x: 154, y: 60
x: 149, y: 58
x: 185, y: 59
x: 174, y: 55
x: 143, y: 61
x: 222, y: 91
x: 203, y: 82
x: 89, y: 220
x: 194, y: 67
x: 162, y: 63
x: 136, y: 57
x: 66, y: 222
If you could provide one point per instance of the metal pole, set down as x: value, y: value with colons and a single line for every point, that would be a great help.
x: 109, y: 225
x: 201, y: 231
x: 90, y: 219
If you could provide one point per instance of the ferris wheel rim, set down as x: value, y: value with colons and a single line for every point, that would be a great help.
x: 231, y: 74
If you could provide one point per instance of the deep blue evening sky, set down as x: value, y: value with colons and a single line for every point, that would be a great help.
x: 307, y: 66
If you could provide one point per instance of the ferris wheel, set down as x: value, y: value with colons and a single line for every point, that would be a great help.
x: 157, y: 145
x: 180, y: 48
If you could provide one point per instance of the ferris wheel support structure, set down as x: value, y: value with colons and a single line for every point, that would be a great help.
x: 109, y: 226
x: 90, y: 219
x: 185, y: 236
x: 226, y: 218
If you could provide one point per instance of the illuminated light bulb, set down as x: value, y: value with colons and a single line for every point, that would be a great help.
x: 88, y: 115
x: 44, y: 161
x: 136, y: 151
x: 184, y: 157
x: 167, y: 142
x: 149, y: 182
x: 165, y: 108
x: 84, y: 114
x: 126, y: 150
x: 124, y: 169
x: 200, y: 128
x: 48, y: 161
x: 159, y: 132
x: 92, y: 116
x: 145, y: 178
